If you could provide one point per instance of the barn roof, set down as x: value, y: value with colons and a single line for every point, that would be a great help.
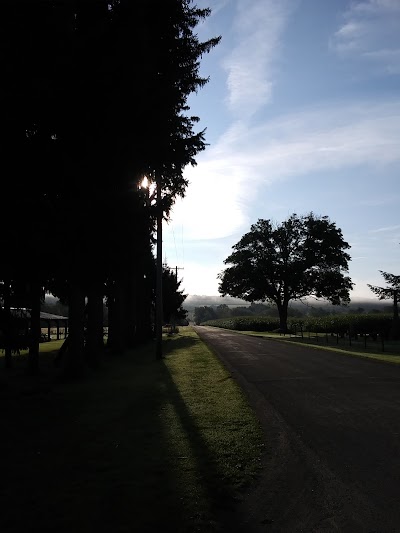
x: 50, y: 316
x: 23, y: 312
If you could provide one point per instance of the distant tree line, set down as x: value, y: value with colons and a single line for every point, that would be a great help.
x: 94, y: 98
x: 204, y: 313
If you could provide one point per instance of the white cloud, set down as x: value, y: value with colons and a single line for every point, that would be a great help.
x: 258, y: 28
x: 217, y: 6
x: 201, y: 279
x: 245, y: 160
x: 385, y: 229
x: 375, y: 7
x: 381, y: 199
x: 388, y: 58
x: 370, y: 31
x: 213, y: 207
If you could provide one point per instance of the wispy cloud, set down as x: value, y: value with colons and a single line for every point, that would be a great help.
x: 258, y: 28
x: 375, y: 7
x: 381, y: 199
x: 217, y: 5
x: 229, y: 175
x: 370, y: 31
x: 386, y: 229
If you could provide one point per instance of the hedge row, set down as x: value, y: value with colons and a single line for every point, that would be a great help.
x: 354, y: 324
x: 245, y: 323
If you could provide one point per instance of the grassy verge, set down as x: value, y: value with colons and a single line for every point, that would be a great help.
x: 357, y: 349
x: 142, y: 445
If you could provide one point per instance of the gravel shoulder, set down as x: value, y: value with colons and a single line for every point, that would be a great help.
x: 332, y: 429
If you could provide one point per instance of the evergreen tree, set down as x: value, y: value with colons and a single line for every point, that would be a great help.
x: 94, y: 98
x: 390, y: 292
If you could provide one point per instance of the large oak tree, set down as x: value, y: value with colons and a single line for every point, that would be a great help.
x: 303, y: 256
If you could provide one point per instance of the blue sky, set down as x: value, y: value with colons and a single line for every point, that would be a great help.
x: 302, y: 114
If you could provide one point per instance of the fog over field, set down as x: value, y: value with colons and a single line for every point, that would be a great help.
x: 195, y: 300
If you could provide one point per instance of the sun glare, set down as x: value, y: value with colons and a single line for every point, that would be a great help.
x: 145, y: 183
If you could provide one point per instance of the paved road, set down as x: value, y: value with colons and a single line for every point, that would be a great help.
x: 332, y: 426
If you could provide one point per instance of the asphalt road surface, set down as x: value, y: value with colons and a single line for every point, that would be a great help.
x: 332, y: 435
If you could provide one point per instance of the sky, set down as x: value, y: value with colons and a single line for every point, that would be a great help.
x: 302, y: 112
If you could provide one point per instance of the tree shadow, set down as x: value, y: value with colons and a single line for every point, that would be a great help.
x: 221, y: 500
x: 178, y: 343
x: 95, y: 455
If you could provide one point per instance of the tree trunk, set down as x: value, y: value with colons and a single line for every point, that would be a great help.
x: 130, y: 304
x: 111, y: 314
x: 143, y: 326
x: 34, y: 341
x: 74, y: 358
x: 8, y: 325
x: 115, y: 318
x: 95, y: 344
x: 159, y: 301
x: 283, y: 315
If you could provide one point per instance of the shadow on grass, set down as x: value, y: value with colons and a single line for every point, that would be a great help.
x: 98, y: 455
x: 215, y: 512
x: 178, y: 342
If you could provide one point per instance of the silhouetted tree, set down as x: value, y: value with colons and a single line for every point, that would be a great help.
x: 173, y: 297
x: 391, y: 292
x: 302, y: 256
x: 94, y: 98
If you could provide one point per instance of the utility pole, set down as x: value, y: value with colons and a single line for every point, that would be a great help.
x: 176, y: 272
x: 159, y: 302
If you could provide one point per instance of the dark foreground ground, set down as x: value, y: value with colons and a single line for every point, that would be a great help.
x: 332, y: 429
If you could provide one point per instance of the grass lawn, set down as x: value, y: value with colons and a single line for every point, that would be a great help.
x: 140, y: 445
x: 357, y: 348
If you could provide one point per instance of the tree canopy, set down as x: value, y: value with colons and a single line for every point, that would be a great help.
x: 391, y: 292
x: 94, y: 98
x: 173, y: 297
x: 303, y: 256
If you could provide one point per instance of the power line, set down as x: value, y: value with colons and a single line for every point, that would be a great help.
x: 176, y: 251
x: 176, y: 268
x: 183, y: 249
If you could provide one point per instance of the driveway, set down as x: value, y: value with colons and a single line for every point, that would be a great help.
x: 332, y: 434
